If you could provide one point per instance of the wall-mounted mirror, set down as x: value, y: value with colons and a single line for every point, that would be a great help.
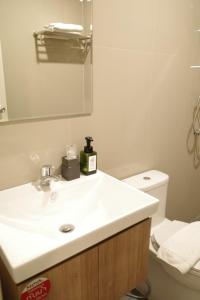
x: 45, y: 58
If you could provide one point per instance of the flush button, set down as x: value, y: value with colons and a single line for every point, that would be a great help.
x: 147, y: 178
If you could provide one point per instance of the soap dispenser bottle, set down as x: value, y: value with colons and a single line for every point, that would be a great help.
x: 88, y: 158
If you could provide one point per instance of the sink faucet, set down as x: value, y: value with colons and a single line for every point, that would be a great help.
x: 47, y: 176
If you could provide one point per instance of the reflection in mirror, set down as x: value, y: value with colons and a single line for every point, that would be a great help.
x: 45, y: 58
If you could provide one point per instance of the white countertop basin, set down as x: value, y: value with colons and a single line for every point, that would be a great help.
x: 98, y: 206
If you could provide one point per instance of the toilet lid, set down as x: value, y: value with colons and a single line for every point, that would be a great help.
x: 163, y: 231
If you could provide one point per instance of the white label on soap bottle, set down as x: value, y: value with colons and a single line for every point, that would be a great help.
x: 92, y: 163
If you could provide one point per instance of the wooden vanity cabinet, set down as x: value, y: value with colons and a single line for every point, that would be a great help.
x: 123, y: 261
x: 104, y: 272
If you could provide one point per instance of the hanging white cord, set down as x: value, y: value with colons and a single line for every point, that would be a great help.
x: 196, y: 131
x: 196, y: 119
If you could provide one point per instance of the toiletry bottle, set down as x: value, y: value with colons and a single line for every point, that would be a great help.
x: 88, y: 158
x: 70, y: 168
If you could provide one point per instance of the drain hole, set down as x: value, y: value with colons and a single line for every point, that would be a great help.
x: 66, y: 228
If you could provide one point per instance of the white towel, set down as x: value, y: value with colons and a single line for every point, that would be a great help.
x: 166, y: 229
x: 182, y: 249
x: 62, y: 27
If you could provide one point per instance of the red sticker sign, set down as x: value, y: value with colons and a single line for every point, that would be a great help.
x: 37, y: 289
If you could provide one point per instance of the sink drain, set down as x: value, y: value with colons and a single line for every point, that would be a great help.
x: 66, y: 228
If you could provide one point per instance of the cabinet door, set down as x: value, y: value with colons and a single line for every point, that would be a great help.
x: 123, y: 261
x: 74, y: 279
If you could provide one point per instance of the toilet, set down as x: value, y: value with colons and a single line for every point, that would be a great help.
x: 166, y: 282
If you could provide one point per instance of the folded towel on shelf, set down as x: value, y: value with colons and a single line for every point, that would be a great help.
x: 62, y: 27
x: 182, y: 249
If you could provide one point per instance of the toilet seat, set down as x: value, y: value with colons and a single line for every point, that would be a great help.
x: 161, y: 233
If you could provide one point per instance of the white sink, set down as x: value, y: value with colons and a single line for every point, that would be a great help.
x: 97, y: 206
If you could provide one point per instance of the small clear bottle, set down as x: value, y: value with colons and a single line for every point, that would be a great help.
x: 70, y: 168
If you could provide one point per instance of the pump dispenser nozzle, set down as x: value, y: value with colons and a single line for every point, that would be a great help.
x: 88, y: 148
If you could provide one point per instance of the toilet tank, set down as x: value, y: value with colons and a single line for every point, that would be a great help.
x: 154, y: 183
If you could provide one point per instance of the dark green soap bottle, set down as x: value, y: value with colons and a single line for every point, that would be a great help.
x: 88, y: 158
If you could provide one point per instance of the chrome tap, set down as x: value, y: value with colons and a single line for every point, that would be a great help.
x: 47, y: 175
